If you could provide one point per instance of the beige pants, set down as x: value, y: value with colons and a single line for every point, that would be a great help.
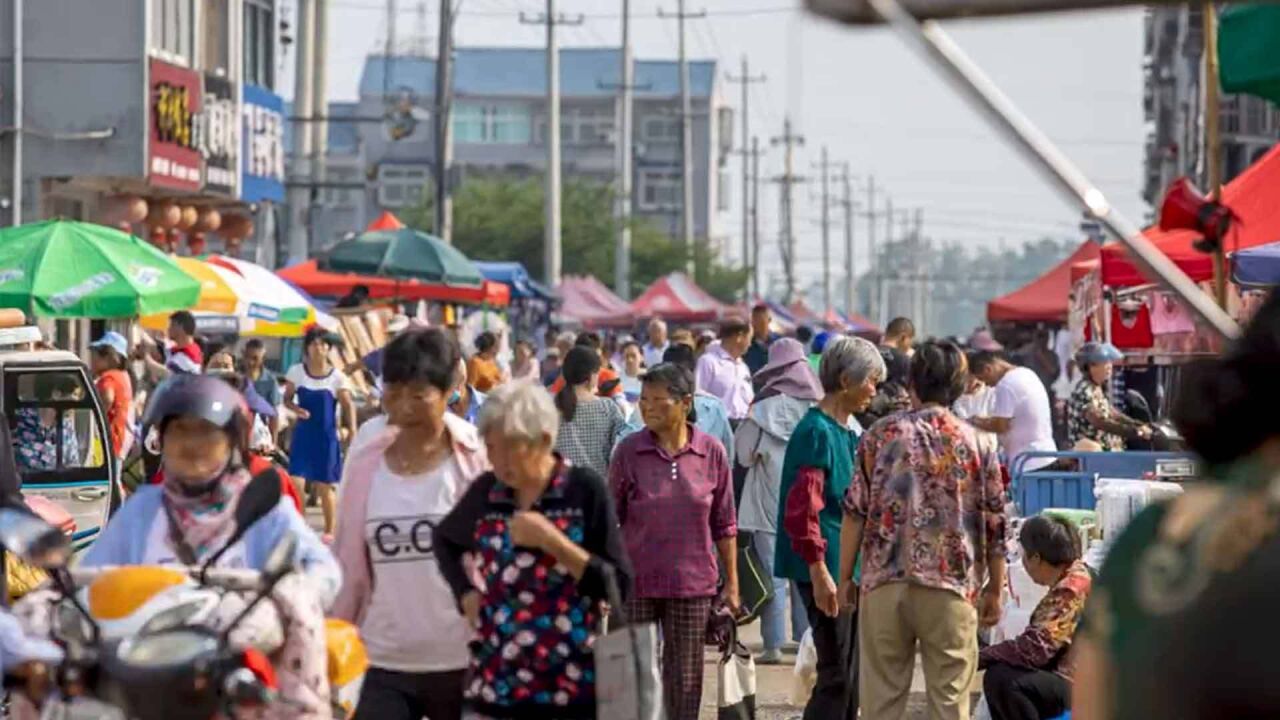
x: 891, y: 619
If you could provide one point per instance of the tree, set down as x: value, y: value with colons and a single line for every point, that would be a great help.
x: 501, y: 218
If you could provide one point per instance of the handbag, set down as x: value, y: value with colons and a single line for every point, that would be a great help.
x: 736, y: 682
x: 628, y: 683
x: 755, y: 587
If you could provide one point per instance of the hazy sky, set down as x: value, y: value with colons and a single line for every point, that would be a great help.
x: 864, y: 95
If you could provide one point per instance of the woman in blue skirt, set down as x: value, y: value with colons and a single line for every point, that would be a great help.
x: 315, y: 391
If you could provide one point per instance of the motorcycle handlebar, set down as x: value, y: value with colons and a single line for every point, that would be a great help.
x: 236, y: 579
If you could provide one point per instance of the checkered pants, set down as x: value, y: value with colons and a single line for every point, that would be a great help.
x: 683, y: 624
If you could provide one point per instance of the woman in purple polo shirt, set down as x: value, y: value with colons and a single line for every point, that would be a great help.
x: 674, y: 495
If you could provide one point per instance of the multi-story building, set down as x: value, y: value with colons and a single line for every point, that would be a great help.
x: 499, y: 126
x: 163, y: 100
x: 1173, y: 100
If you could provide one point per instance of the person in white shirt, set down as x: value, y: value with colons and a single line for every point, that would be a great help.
x: 657, y: 342
x: 1019, y: 412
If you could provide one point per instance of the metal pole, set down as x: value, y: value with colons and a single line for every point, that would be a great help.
x: 686, y: 150
x: 873, y: 298
x: 304, y: 86
x: 444, y: 128
x: 826, y: 232
x: 932, y: 42
x: 850, y: 259
x: 755, y: 217
x: 551, y: 257
x: 622, y: 253
x: 319, y: 127
x: 1213, y: 139
x: 746, y: 132
x: 18, y: 77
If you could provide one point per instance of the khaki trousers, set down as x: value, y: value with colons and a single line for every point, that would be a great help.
x: 891, y: 619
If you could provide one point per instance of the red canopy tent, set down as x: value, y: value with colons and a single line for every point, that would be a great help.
x: 1044, y: 299
x: 385, y: 221
x: 588, y: 301
x: 677, y: 298
x: 804, y: 314
x: 1254, y: 196
x: 310, y: 278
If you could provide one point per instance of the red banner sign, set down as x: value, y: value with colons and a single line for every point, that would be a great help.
x: 175, y: 100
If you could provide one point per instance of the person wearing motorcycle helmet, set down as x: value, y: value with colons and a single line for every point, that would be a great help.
x: 198, y: 425
x: 1090, y: 414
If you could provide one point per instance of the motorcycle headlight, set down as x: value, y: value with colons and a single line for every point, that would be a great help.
x: 172, y: 648
x: 173, y: 617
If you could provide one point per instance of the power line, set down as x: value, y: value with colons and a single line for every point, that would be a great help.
x: 515, y: 13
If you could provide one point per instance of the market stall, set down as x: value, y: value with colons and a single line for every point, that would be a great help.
x: 677, y: 298
x: 531, y: 301
x: 1045, y: 299
x: 587, y: 301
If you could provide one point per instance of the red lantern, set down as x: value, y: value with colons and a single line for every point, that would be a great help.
x: 164, y: 214
x: 173, y: 240
x: 232, y: 248
x: 158, y: 237
x: 196, y: 242
x: 125, y: 228
x: 209, y: 221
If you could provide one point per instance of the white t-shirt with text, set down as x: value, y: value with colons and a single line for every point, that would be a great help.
x: 1021, y: 397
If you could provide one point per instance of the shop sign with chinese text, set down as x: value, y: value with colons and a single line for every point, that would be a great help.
x: 263, y: 146
x: 173, y: 156
x: 217, y: 133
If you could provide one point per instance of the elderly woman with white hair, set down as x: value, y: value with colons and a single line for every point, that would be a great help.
x: 545, y: 538
x: 816, y: 472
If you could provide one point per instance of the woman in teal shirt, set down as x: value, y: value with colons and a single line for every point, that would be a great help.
x: 815, y: 474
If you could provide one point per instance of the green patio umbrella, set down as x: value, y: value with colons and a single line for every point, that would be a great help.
x: 403, y: 253
x: 68, y: 269
x: 1249, y: 50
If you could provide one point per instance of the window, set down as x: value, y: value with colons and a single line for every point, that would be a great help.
x: 493, y: 124
x: 53, y: 424
x: 661, y: 129
x: 259, y: 44
x: 659, y: 190
x: 342, y: 193
x: 582, y: 126
x: 173, y: 30
x: 402, y: 185
x: 215, y: 49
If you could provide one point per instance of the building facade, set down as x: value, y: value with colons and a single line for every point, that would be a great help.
x: 167, y: 101
x: 1173, y: 107
x: 499, y: 126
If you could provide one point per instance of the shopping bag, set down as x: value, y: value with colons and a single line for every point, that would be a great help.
x: 628, y: 683
x: 755, y: 587
x: 806, y: 670
x: 736, y: 682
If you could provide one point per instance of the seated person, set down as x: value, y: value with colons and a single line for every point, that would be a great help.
x: 35, y: 434
x: 1090, y: 414
x: 1029, y: 676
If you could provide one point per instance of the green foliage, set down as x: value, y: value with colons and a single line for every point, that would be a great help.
x: 502, y: 218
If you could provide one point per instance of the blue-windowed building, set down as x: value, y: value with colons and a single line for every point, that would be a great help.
x: 499, y: 126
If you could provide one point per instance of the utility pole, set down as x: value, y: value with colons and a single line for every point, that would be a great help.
x: 304, y: 85
x: 686, y: 139
x: 551, y: 249
x: 319, y: 127
x: 882, y: 287
x: 850, y: 259
x: 444, y: 128
x: 622, y: 253
x: 873, y: 269
x: 826, y: 231
x: 746, y: 79
x: 786, y: 230
x: 755, y: 217
x: 19, y: 79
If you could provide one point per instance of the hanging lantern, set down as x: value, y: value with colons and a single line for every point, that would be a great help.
x: 164, y: 214
x: 196, y: 243
x: 174, y: 240
x: 209, y: 220
x: 135, y: 209
x: 125, y: 228
x: 237, y: 226
x: 232, y: 247
x: 158, y: 237
x: 189, y: 217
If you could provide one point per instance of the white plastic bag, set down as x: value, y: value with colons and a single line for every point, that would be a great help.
x: 806, y: 671
x: 982, y: 712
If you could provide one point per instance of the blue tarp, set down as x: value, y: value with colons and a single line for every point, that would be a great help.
x: 513, y: 275
x: 1257, y: 265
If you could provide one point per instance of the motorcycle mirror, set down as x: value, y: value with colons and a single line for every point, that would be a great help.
x: 32, y: 539
x: 258, y: 498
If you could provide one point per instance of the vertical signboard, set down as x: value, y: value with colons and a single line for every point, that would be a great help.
x: 263, y: 146
x: 174, y: 103
x: 217, y: 131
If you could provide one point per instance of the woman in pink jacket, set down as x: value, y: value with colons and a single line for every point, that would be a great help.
x: 406, y: 470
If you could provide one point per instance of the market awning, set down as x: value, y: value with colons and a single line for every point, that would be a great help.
x: 1254, y: 196
x: 587, y: 300
x: 1257, y: 266
x: 1248, y: 56
x: 310, y: 278
x: 1044, y: 299
x: 677, y: 298
x: 514, y: 276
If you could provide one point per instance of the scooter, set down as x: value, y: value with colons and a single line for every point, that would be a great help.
x: 1164, y: 436
x: 146, y: 642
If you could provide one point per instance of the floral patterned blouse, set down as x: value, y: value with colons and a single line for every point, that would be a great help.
x: 931, y: 493
x: 1046, y: 642
x: 35, y: 443
x: 1090, y: 396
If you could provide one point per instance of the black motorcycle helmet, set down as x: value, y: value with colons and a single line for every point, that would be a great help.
x: 205, y: 397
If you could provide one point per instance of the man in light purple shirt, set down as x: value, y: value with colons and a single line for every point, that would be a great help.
x: 722, y: 372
